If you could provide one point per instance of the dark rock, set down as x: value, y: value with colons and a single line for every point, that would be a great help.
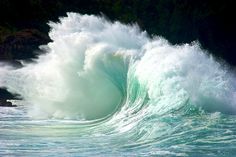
x: 5, y: 103
x: 22, y: 45
x: 4, y: 94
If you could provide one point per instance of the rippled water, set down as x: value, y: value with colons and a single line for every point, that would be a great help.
x: 199, y: 134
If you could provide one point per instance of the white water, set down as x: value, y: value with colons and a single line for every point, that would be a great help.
x: 94, y: 68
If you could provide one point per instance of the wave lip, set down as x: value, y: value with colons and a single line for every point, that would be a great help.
x: 177, y: 76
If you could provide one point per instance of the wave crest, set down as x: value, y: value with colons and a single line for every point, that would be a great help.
x: 93, y: 65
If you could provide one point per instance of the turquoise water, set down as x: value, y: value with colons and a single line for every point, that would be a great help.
x: 107, y: 89
x: 174, y: 134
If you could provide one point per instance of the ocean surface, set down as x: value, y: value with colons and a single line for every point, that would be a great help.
x: 107, y: 89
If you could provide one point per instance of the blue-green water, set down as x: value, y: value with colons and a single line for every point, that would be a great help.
x: 174, y: 134
x: 109, y: 89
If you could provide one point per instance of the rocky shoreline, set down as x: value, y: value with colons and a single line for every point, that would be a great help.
x: 16, y: 46
x: 6, y: 103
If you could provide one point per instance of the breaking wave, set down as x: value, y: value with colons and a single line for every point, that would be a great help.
x: 95, y: 69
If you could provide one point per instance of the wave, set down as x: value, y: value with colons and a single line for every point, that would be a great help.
x: 95, y: 68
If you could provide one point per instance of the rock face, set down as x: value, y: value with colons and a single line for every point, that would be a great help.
x: 5, y: 103
x: 22, y: 45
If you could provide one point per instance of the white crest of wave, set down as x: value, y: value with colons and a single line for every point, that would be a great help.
x: 176, y: 76
x: 84, y: 71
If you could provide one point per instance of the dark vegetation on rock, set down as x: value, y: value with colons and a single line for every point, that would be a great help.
x: 23, y: 22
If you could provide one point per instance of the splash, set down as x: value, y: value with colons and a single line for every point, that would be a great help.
x: 94, y: 68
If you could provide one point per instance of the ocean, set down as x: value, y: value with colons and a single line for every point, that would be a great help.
x: 104, y: 88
